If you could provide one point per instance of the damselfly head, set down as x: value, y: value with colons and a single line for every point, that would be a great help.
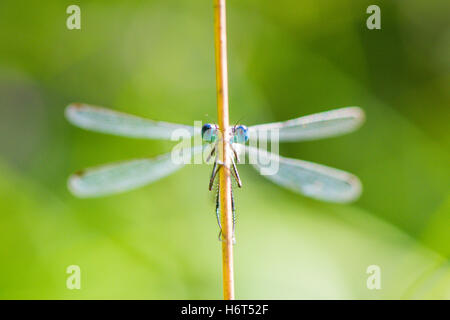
x: 210, y: 132
x: 240, y: 134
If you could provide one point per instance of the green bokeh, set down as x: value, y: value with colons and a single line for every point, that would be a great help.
x: 286, y: 59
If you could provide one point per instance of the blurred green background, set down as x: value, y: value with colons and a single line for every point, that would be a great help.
x: 286, y: 59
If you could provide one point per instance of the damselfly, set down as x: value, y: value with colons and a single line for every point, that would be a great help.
x: 311, y: 179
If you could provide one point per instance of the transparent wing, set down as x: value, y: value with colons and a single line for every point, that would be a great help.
x: 123, y: 176
x: 121, y: 124
x: 311, y: 179
x: 315, y: 126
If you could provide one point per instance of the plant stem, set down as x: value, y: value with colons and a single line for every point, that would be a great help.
x: 220, y: 40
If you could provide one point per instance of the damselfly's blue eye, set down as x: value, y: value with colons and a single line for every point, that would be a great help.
x: 209, y: 132
x: 240, y: 134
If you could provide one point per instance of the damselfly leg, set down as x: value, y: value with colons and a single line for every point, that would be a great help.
x: 213, y: 174
x: 235, y: 173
